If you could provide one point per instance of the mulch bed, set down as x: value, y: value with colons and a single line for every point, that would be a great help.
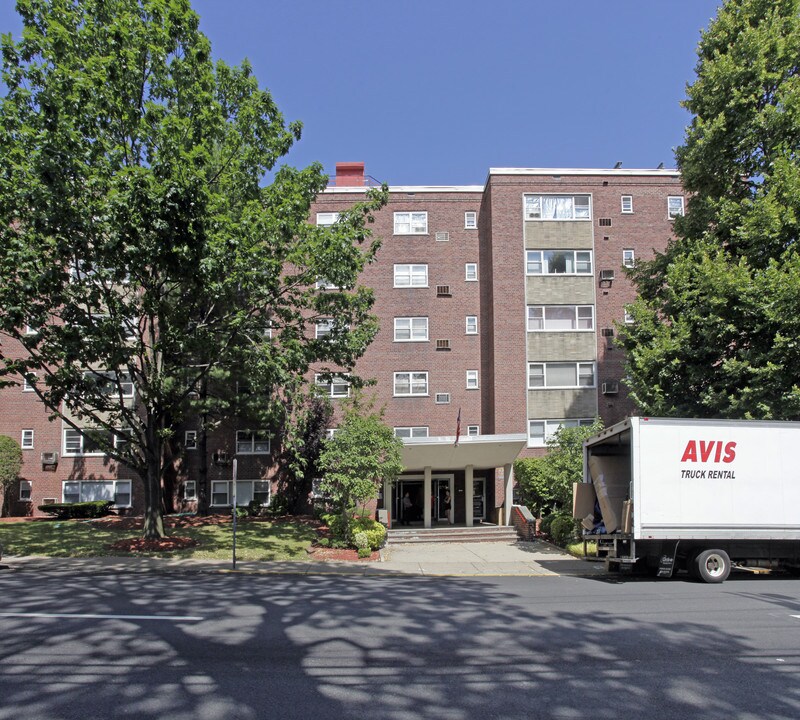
x: 160, y: 545
x: 322, y: 553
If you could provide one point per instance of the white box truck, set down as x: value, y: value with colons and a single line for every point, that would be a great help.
x: 673, y: 494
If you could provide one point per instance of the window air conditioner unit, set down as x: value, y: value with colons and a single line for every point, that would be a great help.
x: 610, y: 388
x: 606, y: 274
x: 442, y: 236
x: 442, y: 398
x: 49, y: 458
x: 49, y: 501
x: 443, y: 291
x: 442, y: 344
x: 607, y: 332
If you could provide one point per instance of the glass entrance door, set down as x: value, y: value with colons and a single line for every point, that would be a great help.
x: 478, y: 500
x: 441, y: 497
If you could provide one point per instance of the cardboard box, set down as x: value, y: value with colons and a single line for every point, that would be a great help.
x: 583, y: 500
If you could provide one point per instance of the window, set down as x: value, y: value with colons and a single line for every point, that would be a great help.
x: 190, y: 490
x: 628, y: 258
x: 247, y: 491
x: 410, y: 276
x: 410, y: 223
x: 473, y: 430
x: 410, y: 329
x: 472, y: 325
x: 109, y: 382
x: 628, y: 318
x: 470, y: 220
x: 472, y: 379
x: 252, y: 442
x: 119, y: 491
x: 88, y: 441
x: 327, y: 218
x: 559, y: 262
x: 674, y: 206
x: 330, y: 433
x: 560, y: 375
x: 323, y: 284
x: 28, y: 382
x: 25, y: 489
x: 559, y: 318
x: 411, y: 432
x: 338, y: 386
x: 541, y: 431
x: 627, y: 204
x: 471, y: 272
x: 410, y: 383
x: 31, y: 329
x: 324, y: 327
x: 26, y: 442
x: 190, y: 440
x: 442, y: 398
x: 557, y: 207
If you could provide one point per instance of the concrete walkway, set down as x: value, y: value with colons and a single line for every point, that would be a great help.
x: 531, y: 559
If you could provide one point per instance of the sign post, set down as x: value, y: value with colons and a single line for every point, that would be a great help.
x: 233, y: 510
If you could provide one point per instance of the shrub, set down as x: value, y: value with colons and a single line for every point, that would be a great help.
x: 335, y: 525
x: 278, y: 505
x: 547, y: 521
x: 375, y: 532
x: 562, y: 529
x: 324, y: 542
x: 364, y: 552
x: 361, y: 540
x: 65, y: 511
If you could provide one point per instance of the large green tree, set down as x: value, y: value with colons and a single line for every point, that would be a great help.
x: 10, y: 464
x: 718, y: 318
x: 138, y: 241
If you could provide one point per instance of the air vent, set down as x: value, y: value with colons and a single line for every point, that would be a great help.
x: 604, y: 222
x: 49, y: 501
x: 442, y: 398
x: 607, y: 332
x: 442, y: 344
x: 443, y: 291
x: 610, y: 388
x: 606, y: 274
x: 442, y: 236
x: 49, y: 458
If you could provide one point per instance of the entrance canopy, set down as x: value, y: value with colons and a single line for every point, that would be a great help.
x: 478, y: 451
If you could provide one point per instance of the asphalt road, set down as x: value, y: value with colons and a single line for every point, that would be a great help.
x: 219, y: 646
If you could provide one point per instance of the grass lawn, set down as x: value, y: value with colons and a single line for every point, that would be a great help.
x: 255, y: 540
x: 576, y: 549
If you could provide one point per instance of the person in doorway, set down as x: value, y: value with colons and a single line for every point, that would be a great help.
x: 447, y: 507
x: 407, y: 508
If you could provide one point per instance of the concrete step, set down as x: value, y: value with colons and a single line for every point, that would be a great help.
x: 479, y: 533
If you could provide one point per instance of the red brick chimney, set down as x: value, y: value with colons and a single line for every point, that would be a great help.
x: 349, y: 174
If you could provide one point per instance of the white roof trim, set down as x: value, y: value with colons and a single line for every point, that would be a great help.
x: 411, y: 189
x: 623, y: 172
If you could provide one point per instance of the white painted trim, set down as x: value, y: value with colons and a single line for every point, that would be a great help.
x: 620, y: 172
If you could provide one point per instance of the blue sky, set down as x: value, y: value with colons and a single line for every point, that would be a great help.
x: 435, y: 92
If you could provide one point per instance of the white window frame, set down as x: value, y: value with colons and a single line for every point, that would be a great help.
x: 550, y: 427
x: 215, y: 485
x: 253, y: 442
x: 27, y: 385
x: 416, y: 274
x: 542, y: 259
x: 672, y: 213
x: 628, y: 257
x: 333, y: 387
x: 190, y: 490
x: 411, y: 222
x: 330, y: 433
x: 626, y: 204
x: 26, y: 439
x: 323, y: 284
x: 471, y: 325
x: 190, y: 440
x: 414, y: 378
x: 25, y: 490
x: 220, y: 487
x: 580, y: 371
x: 82, y: 435
x: 533, y: 204
x: 627, y: 318
x: 473, y: 430
x: 580, y: 316
x: 31, y: 329
x: 414, y: 431
x: 324, y: 327
x: 118, y: 487
x: 471, y: 272
x: 113, y: 383
x: 326, y: 219
x: 416, y: 327
x: 472, y: 380
x: 470, y: 220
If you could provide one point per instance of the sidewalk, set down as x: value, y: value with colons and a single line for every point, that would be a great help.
x: 528, y: 559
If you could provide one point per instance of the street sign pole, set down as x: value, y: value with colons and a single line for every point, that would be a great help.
x: 233, y: 510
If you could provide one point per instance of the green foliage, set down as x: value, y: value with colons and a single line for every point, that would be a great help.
x: 10, y: 461
x: 372, y: 530
x: 278, y: 505
x: 65, y: 511
x: 718, y: 317
x: 137, y: 235
x: 362, y: 455
x: 360, y: 540
x: 545, y: 482
x: 324, y: 542
x: 364, y: 552
x: 562, y: 529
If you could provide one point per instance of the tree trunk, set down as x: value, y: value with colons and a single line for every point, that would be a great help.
x: 153, y: 501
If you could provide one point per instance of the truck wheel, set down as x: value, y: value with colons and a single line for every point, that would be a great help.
x: 712, y: 566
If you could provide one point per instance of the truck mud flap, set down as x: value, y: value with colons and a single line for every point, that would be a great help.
x: 666, y: 560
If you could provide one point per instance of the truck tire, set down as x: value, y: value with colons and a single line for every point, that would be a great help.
x: 712, y: 566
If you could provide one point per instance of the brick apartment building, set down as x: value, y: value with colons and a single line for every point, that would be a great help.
x: 498, y: 306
